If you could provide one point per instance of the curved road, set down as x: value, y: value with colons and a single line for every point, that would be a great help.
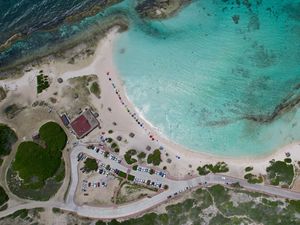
x: 175, y: 186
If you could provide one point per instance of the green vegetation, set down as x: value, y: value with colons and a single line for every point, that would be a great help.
x: 90, y: 165
x: 203, y: 170
x: 122, y: 174
x: 141, y: 155
x: 288, y: 160
x: 2, y: 93
x: 135, y: 167
x: 22, y: 213
x: 7, y: 138
x: 56, y: 210
x: 154, y: 158
x: 295, y: 205
x: 220, y: 167
x: 253, y: 179
x: 130, y: 177
x: 152, y: 171
x: 115, y: 146
x: 223, y: 209
x: 36, y: 163
x: 128, y: 156
x: 42, y: 82
x: 248, y: 168
x: 3, y: 196
x: 95, y: 89
x: 280, y: 173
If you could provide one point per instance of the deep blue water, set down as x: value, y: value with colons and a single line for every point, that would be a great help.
x: 28, y: 16
x: 43, y: 24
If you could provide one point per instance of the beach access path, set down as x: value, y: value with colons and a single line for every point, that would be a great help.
x: 176, y: 187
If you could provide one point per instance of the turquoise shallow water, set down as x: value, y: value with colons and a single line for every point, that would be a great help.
x: 197, y: 76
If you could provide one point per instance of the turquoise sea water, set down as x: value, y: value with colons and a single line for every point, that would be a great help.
x: 197, y: 76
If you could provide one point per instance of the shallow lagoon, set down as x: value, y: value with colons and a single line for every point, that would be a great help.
x: 202, y: 77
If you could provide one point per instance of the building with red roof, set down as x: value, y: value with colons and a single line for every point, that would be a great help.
x: 84, y: 124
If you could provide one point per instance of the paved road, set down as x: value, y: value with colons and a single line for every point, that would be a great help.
x: 175, y: 186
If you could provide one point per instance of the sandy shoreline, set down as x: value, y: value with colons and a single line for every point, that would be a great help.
x: 113, y: 93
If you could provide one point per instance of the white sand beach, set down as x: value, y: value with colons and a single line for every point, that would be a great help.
x: 128, y: 119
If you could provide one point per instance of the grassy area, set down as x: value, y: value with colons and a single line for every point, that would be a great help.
x: 90, y: 165
x: 7, y: 138
x: 295, y: 205
x: 280, y: 173
x: 253, y: 179
x: 154, y: 158
x: 22, y: 213
x: 128, y: 156
x: 219, y: 205
x: 3, y: 196
x: 95, y: 89
x: 122, y: 174
x: 35, y: 163
x: 42, y: 82
x: 220, y: 167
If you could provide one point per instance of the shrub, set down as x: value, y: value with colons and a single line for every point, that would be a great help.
x: 90, y: 165
x: 130, y: 177
x: 128, y: 156
x: 154, y: 158
x: 42, y: 83
x: 2, y: 93
x: 135, y: 167
x: 253, y: 179
x: 220, y: 167
x: 280, y: 172
x: 107, y: 167
x: 203, y: 171
x: 288, y: 160
x: 3, y: 196
x: 141, y: 155
x: 7, y: 138
x: 114, y: 145
x: 152, y: 171
x: 248, y: 168
x: 122, y: 174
